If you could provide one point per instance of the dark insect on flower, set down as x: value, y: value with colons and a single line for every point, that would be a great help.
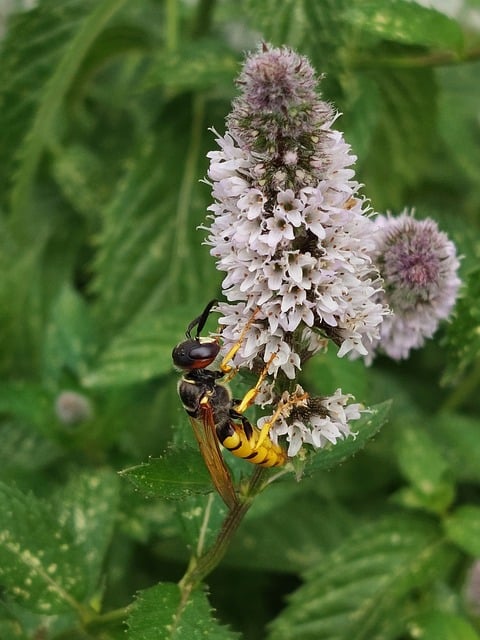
x: 215, y: 416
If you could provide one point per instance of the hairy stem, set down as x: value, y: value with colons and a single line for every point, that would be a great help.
x: 201, y: 566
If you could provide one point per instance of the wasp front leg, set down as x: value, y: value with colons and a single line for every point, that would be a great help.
x: 229, y: 370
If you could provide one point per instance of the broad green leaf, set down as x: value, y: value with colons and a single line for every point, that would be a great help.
x: 34, y: 41
x: 404, y: 134
x: 20, y: 302
x: 73, y: 26
x: 201, y: 519
x: 422, y: 463
x: 40, y: 565
x: 177, y: 474
x: 78, y: 171
x: 149, y: 254
x: 356, y: 591
x: 28, y: 625
x: 70, y: 337
x: 160, y: 614
x: 366, y: 428
x: 463, y: 528
x: 442, y: 625
x: 406, y: 22
x: 458, y: 107
x: 317, y: 29
x: 361, y: 104
x: 141, y: 352
x: 87, y: 507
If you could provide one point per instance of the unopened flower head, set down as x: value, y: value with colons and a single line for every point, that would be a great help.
x: 73, y: 408
x: 419, y: 266
x: 287, y: 227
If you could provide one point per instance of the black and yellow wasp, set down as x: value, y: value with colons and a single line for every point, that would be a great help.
x: 214, y: 414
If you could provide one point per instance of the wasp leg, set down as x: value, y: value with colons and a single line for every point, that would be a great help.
x: 252, y: 393
x: 283, y: 408
x: 226, y: 368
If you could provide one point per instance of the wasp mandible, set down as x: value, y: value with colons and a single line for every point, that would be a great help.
x: 214, y: 414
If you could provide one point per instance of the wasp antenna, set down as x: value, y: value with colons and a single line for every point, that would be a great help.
x: 200, y: 321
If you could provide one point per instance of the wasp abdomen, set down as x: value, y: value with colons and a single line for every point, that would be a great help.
x: 234, y: 438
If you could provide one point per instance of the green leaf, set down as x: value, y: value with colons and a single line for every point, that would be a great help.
x: 317, y: 29
x: 159, y: 614
x: 441, y: 625
x: 149, y: 253
x: 39, y: 563
x: 177, y: 474
x: 362, y: 585
x: 201, y: 519
x: 20, y: 302
x: 463, y: 528
x: 73, y: 26
x: 458, y: 108
x: 70, y: 338
x: 406, y: 22
x: 403, y: 136
x: 366, y: 428
x: 88, y: 507
x: 78, y: 173
x: 423, y: 464
x: 141, y: 352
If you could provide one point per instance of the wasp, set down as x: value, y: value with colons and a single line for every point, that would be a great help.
x: 215, y: 416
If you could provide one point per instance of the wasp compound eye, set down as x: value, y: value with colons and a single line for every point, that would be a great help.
x: 195, y: 354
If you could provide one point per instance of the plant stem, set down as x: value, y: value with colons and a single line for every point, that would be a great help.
x: 200, y: 567
x: 203, y: 18
x: 171, y: 32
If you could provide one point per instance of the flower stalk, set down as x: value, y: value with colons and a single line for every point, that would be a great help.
x: 200, y: 567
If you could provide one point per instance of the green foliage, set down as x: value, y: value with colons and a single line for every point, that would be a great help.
x: 105, y: 110
x: 366, y: 582
x: 177, y: 474
x: 177, y: 619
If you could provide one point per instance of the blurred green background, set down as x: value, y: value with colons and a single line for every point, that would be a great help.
x: 106, y: 110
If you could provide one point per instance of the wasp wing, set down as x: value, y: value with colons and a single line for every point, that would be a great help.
x: 206, y: 436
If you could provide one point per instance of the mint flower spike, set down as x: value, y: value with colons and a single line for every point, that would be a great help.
x: 419, y: 266
x: 294, y: 240
x: 287, y: 227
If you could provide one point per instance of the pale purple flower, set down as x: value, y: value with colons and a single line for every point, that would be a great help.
x: 287, y: 226
x: 419, y: 266
x: 290, y: 231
